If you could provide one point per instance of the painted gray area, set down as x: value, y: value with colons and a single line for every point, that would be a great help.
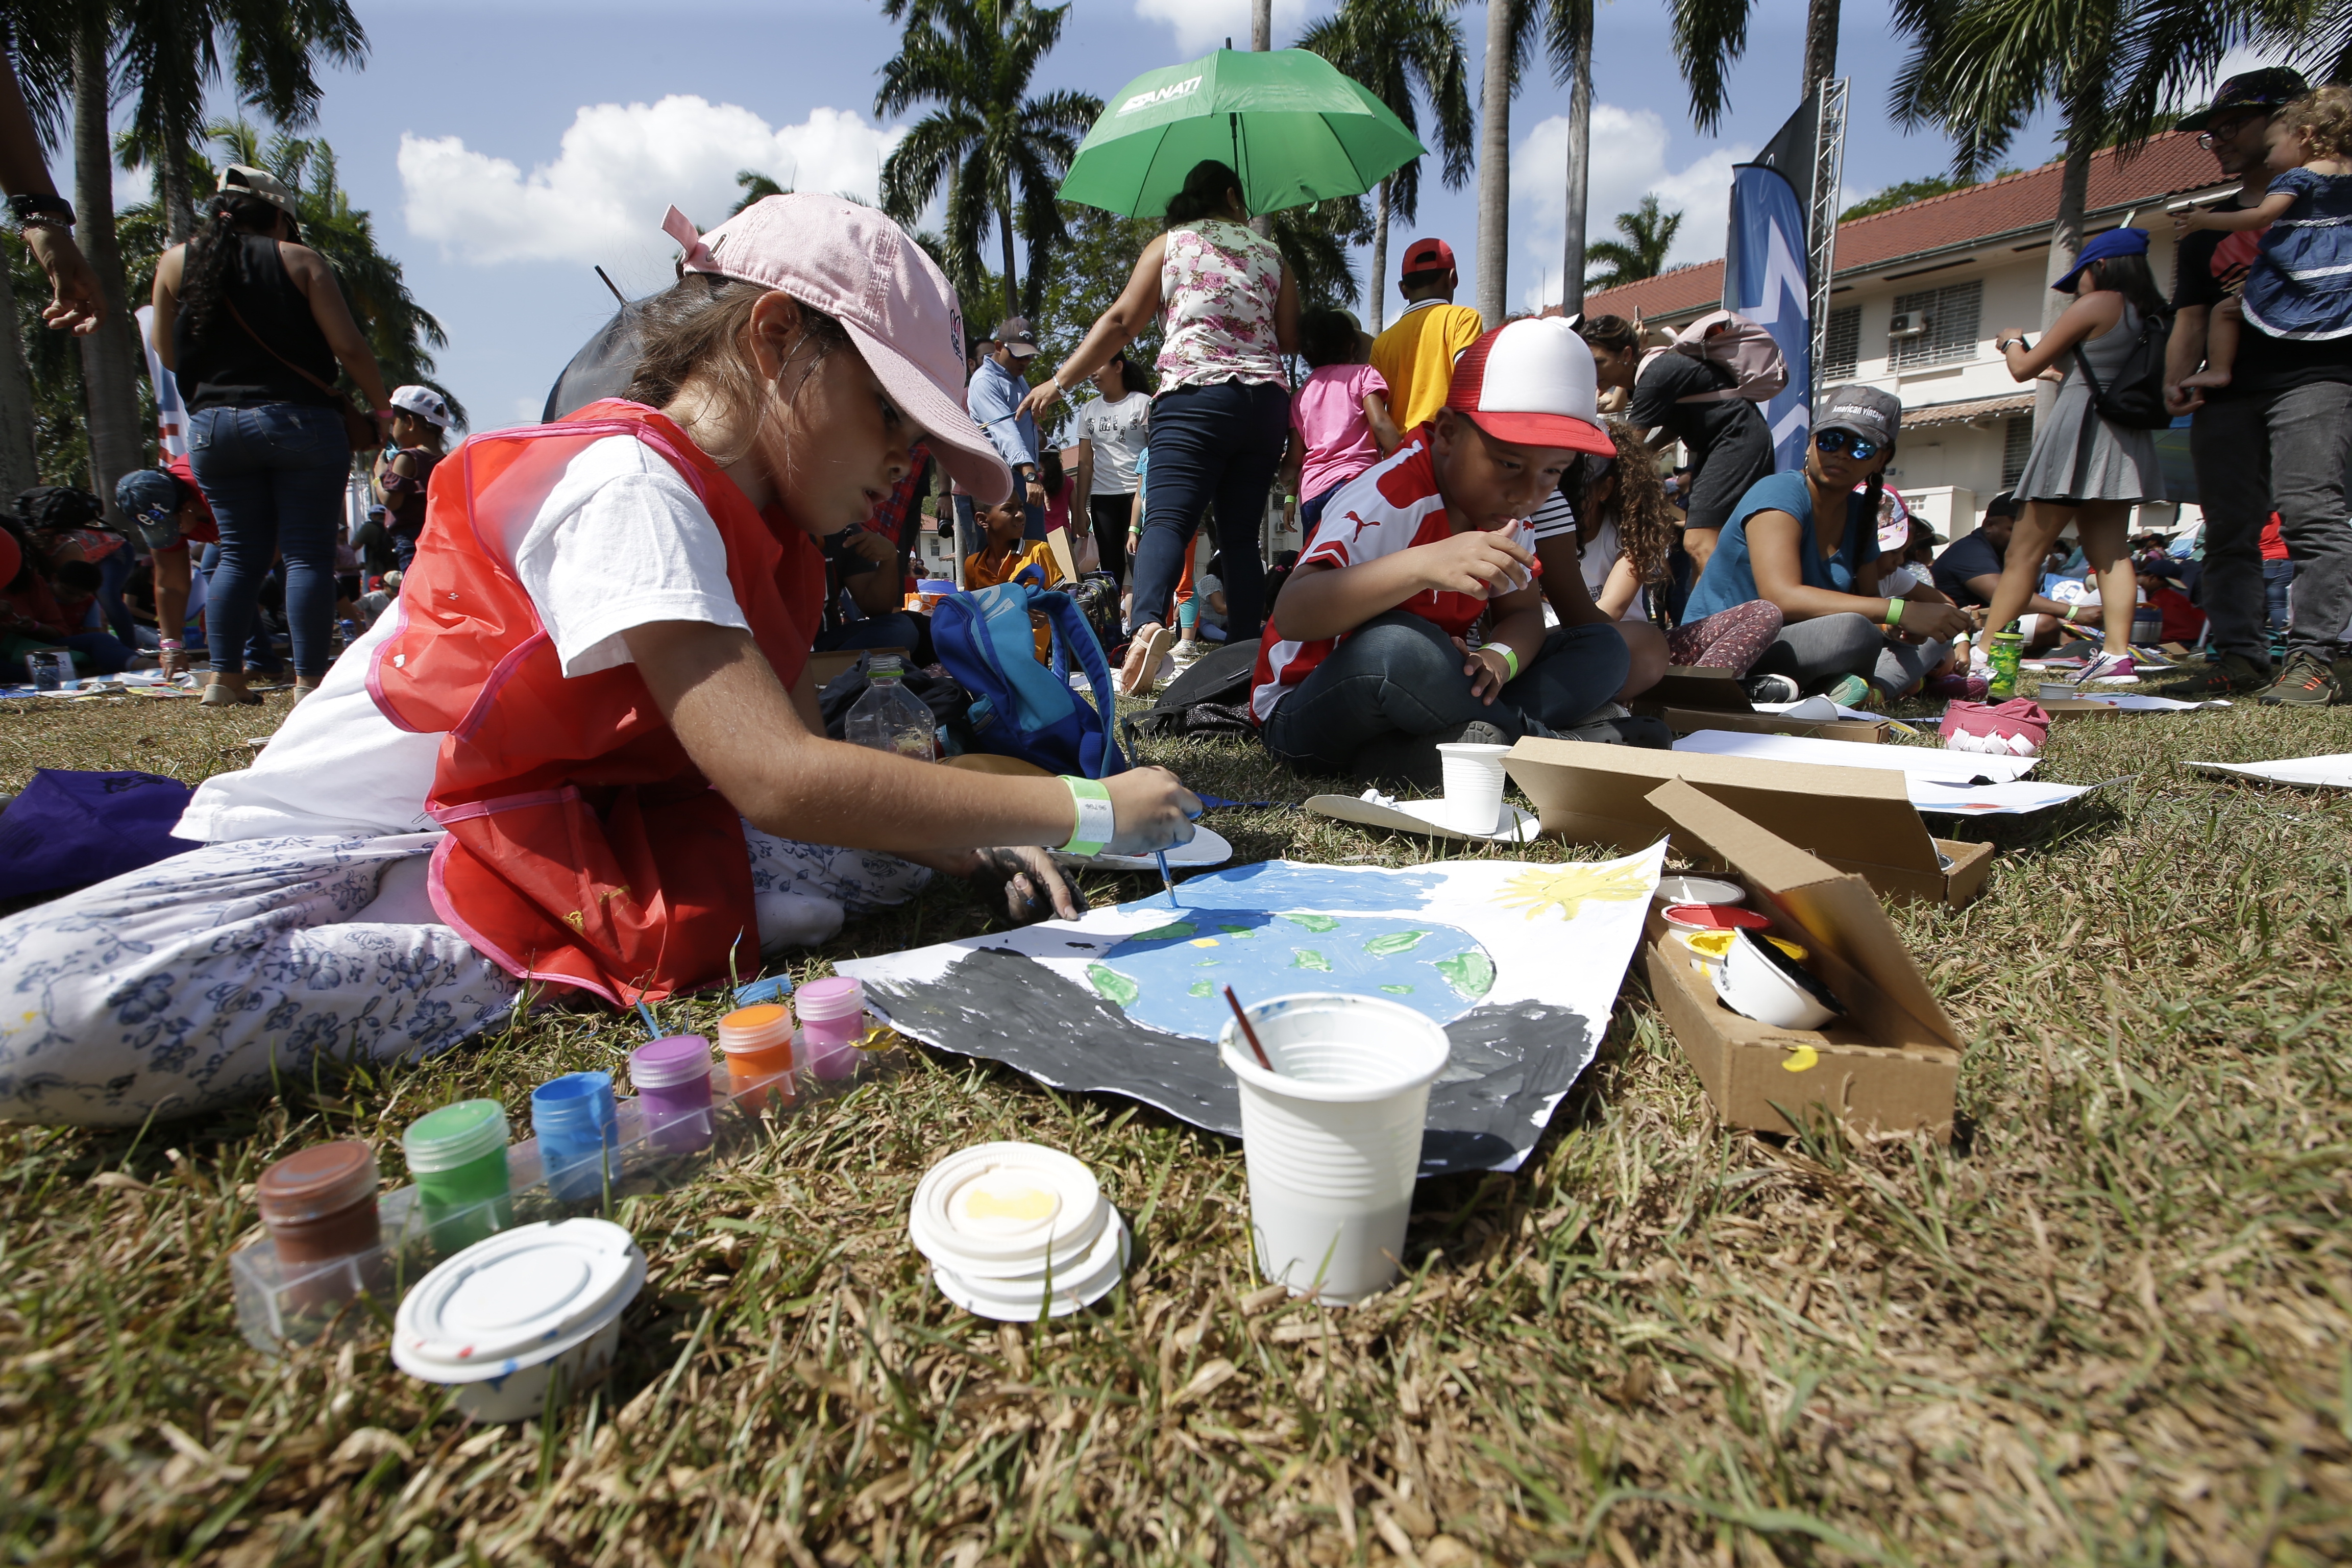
x: 1511, y: 1064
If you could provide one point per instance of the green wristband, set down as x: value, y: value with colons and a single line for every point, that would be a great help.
x: 1510, y: 657
x: 1894, y: 612
x: 1096, y: 820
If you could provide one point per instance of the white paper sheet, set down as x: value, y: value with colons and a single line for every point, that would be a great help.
x: 2135, y: 702
x: 2314, y: 773
x: 1993, y: 799
x: 1918, y: 761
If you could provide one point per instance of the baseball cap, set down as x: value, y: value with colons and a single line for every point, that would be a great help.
x: 1426, y: 255
x: 241, y: 178
x: 1867, y: 412
x: 425, y: 403
x: 1014, y: 334
x: 2099, y: 248
x: 859, y: 268
x: 2269, y: 87
x: 1530, y: 383
x: 2005, y: 504
x: 147, y: 497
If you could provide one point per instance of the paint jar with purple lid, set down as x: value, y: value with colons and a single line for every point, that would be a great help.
x: 672, y: 1078
x: 832, y: 1020
x: 319, y: 1208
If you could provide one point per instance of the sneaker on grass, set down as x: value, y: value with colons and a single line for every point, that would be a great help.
x: 1770, y: 688
x: 1851, y: 691
x: 2307, y: 681
x: 2232, y: 675
x: 2109, y: 670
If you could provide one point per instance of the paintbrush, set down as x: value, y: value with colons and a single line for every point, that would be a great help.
x: 1247, y: 1033
x: 1166, y: 880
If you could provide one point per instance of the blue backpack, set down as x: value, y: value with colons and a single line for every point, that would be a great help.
x: 1020, y: 707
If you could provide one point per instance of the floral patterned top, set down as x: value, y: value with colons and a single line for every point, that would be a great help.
x: 1218, y: 285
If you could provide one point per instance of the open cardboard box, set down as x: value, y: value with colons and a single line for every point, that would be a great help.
x: 1857, y: 819
x: 1890, y: 1063
x: 1690, y: 697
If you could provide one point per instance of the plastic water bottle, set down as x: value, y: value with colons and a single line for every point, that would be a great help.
x: 890, y: 717
x: 2008, y: 650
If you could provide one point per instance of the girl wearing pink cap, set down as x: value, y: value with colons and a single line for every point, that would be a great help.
x: 584, y: 750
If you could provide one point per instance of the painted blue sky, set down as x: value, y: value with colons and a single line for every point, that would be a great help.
x: 505, y: 146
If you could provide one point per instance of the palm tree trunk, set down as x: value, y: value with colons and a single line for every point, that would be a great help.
x: 1821, y: 45
x: 1495, y: 164
x: 175, y: 189
x: 1004, y: 228
x: 2066, y: 234
x: 110, y: 361
x: 19, y: 465
x: 1374, y: 306
x: 1579, y: 169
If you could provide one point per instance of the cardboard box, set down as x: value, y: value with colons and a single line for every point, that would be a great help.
x: 1890, y: 1064
x: 1690, y: 697
x: 1857, y: 819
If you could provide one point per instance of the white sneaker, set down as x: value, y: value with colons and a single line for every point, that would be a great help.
x: 2109, y: 670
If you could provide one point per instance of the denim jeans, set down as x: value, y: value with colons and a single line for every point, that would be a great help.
x: 112, y: 573
x: 2278, y: 578
x: 1400, y: 673
x: 2284, y: 450
x: 1220, y: 443
x: 967, y: 527
x: 260, y: 652
x: 274, y: 475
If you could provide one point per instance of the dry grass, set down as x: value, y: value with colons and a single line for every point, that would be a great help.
x: 2107, y: 1325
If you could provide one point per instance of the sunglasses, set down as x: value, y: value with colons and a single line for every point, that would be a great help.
x: 1846, y: 441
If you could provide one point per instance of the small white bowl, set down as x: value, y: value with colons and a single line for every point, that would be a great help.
x: 1681, y: 889
x: 1758, y: 984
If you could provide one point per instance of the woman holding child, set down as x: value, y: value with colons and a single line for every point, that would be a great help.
x: 584, y: 751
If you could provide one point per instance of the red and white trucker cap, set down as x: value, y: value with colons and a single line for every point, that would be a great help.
x: 858, y: 267
x: 1530, y: 383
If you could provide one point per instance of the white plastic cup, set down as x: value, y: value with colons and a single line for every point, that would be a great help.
x: 1474, y: 786
x: 1332, y: 1136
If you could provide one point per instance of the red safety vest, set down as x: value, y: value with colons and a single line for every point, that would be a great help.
x: 584, y: 848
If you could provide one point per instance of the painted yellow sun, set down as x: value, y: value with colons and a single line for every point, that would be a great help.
x: 1568, y: 888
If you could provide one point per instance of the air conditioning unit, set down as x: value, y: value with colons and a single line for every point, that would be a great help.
x: 1908, y: 325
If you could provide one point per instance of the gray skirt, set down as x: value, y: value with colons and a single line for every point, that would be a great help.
x: 2121, y: 465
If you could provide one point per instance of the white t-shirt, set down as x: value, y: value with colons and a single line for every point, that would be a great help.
x: 622, y: 541
x: 1119, y: 432
x: 1595, y: 560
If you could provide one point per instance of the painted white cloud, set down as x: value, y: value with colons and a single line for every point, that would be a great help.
x: 1628, y: 162
x: 1204, y: 25
x: 619, y: 168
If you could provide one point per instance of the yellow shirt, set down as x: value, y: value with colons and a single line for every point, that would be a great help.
x: 1416, y: 357
x: 979, y: 571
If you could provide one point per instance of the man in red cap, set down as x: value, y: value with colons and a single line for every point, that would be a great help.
x: 1416, y: 355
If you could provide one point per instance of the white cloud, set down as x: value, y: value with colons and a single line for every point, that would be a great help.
x: 1204, y: 25
x: 1628, y: 162
x: 620, y: 167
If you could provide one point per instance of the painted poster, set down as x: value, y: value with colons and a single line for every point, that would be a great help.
x: 1521, y: 962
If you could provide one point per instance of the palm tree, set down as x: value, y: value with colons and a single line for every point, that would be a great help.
x: 1403, y: 51
x: 999, y: 153
x: 1512, y: 29
x: 756, y: 187
x: 1649, y: 234
x: 1709, y: 36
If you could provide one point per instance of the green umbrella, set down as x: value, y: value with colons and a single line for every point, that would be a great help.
x: 1294, y: 128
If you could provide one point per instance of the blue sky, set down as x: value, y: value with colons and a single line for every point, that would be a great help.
x: 505, y: 146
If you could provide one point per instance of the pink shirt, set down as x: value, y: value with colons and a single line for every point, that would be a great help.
x: 1327, y: 412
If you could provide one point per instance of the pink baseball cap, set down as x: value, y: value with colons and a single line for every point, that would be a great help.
x: 1530, y: 383
x: 859, y: 268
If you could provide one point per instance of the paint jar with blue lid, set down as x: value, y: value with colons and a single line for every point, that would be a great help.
x: 578, y: 1133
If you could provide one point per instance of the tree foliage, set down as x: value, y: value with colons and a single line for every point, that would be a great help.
x: 1406, y: 52
x: 1910, y: 190
x: 1649, y: 234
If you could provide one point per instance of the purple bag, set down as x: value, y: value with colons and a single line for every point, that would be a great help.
x: 68, y: 829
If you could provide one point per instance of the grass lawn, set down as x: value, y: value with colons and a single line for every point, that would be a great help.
x: 2108, y: 1324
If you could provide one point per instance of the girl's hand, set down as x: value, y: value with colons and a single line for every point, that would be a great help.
x: 2187, y: 221
x: 1928, y: 618
x: 1150, y: 811
x: 1486, y: 565
x: 1041, y: 399
x: 1022, y: 884
x: 1487, y: 670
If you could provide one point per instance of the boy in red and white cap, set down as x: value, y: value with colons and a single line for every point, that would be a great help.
x: 1416, y: 617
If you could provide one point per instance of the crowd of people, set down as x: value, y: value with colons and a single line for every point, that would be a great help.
x: 589, y: 752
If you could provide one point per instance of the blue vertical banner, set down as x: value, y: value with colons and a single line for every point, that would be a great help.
x: 1765, y: 280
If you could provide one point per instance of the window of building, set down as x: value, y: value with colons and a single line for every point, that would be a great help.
x: 1842, y: 344
x: 1950, y: 325
x: 2016, y: 442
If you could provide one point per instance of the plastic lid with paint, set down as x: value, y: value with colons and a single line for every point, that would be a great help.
x: 324, y: 1179
x: 1679, y: 889
x: 1714, y: 917
x: 455, y: 1135
x: 679, y: 1058
x: 1003, y: 1210
x: 523, y: 1296
x: 839, y: 998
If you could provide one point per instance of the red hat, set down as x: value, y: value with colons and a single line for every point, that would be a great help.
x: 1530, y: 383
x: 1426, y: 255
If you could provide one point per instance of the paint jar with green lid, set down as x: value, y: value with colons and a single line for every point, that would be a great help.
x: 458, y: 1156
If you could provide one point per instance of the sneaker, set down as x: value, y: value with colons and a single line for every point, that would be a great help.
x: 1186, y: 651
x: 2109, y: 670
x: 1851, y: 692
x: 1959, y: 687
x: 1770, y: 688
x: 2232, y: 675
x: 2307, y: 681
x: 1621, y: 727
x: 1401, y: 760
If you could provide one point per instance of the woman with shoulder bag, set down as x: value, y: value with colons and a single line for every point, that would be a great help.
x: 253, y: 322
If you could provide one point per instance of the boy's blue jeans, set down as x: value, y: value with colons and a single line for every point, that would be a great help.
x: 1400, y: 673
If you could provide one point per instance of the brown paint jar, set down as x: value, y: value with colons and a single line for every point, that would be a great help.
x: 320, y: 1205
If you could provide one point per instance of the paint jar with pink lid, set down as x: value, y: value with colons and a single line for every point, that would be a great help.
x: 832, y: 1020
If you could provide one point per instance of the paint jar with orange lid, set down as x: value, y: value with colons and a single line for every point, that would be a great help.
x: 757, y: 1042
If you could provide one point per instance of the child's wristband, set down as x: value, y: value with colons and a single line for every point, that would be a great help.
x: 1096, y: 822
x: 1894, y: 612
x: 1510, y: 660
